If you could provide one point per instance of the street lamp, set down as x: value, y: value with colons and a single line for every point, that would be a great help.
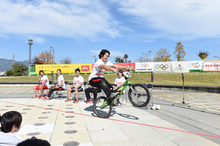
x: 217, y: 57
x: 30, y: 42
x: 146, y: 55
x: 94, y: 57
x: 51, y: 48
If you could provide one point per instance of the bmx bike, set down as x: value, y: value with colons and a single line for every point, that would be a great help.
x: 138, y: 95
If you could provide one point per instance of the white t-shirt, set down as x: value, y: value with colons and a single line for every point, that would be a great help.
x: 78, y: 80
x: 9, y: 139
x: 42, y: 79
x: 60, y: 78
x: 98, y: 72
x: 119, y: 82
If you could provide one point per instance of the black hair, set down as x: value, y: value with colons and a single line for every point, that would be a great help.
x: 102, y: 53
x: 120, y: 71
x: 77, y: 70
x: 59, y: 70
x: 9, y: 119
x: 41, y: 71
x: 34, y: 142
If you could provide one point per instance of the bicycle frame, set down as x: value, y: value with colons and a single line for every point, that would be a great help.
x: 126, y: 83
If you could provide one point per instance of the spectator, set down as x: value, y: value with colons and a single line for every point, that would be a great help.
x: 42, y: 84
x: 93, y: 90
x: 118, y: 82
x: 78, y: 86
x: 10, y: 123
x: 34, y: 142
x: 60, y: 85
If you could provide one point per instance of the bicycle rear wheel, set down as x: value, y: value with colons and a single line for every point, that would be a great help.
x: 139, y: 96
x: 101, y: 112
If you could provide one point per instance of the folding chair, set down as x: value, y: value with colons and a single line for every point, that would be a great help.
x: 61, y: 92
x: 51, y: 83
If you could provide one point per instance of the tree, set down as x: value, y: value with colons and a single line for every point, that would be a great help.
x: 144, y: 59
x: 44, y: 58
x: 162, y: 55
x: 17, y: 70
x: 66, y: 60
x: 125, y: 57
x: 119, y: 59
x: 179, y: 52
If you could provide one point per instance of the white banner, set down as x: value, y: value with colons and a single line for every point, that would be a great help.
x: 162, y: 67
x: 195, y: 65
x: 213, y: 65
x: 180, y: 67
x: 144, y: 66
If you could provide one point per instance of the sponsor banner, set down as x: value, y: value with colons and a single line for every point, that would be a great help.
x: 144, y: 66
x: 65, y: 68
x: 213, y: 65
x: 131, y: 65
x: 162, y: 67
x: 195, y: 65
x: 180, y: 67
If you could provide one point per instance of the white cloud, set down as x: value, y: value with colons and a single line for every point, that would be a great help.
x: 178, y: 20
x: 70, y: 18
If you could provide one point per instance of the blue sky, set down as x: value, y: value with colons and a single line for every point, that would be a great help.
x: 81, y: 28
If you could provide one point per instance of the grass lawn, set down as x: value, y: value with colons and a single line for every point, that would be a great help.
x: 202, y: 79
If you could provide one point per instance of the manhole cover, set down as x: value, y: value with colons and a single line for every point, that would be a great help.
x: 39, y: 124
x: 45, y: 112
x: 49, y: 105
x: 3, y: 109
x: 27, y: 109
x: 30, y: 105
x: 42, y: 117
x: 70, y: 131
x: 10, y: 106
x: 70, y: 123
x: 33, y: 133
x: 69, y: 108
x: 69, y: 116
x: 71, y: 143
x: 22, y: 113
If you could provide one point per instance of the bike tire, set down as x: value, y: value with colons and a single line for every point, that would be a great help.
x: 147, y: 94
x: 97, y: 110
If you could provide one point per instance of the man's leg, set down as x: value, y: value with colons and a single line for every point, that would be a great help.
x: 35, y: 90
x: 51, y: 91
x: 41, y: 90
x: 76, y: 91
x: 87, y: 94
x: 69, y: 93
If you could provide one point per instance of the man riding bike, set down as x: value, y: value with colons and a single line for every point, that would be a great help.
x: 96, y: 78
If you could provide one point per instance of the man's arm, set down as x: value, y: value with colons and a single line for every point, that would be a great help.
x: 60, y: 84
x: 44, y: 81
x: 105, y: 67
x: 39, y: 82
x: 79, y: 85
x: 119, y: 67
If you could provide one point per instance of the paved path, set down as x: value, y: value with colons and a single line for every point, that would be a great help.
x: 60, y: 122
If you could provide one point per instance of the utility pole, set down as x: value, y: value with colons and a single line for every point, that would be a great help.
x: 30, y: 42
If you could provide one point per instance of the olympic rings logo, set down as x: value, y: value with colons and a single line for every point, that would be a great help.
x: 144, y: 65
x: 179, y: 68
x: 162, y: 67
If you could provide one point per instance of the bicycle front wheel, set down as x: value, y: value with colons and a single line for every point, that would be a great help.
x: 100, y: 108
x: 139, y: 95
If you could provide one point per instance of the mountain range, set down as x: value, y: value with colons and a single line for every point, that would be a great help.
x: 5, y: 64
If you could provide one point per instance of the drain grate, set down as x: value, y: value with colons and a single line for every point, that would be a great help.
x: 10, y: 106
x: 26, y: 109
x: 70, y: 123
x: 42, y: 117
x: 39, y: 124
x: 33, y: 133
x: 3, y: 109
x: 45, y: 112
x: 22, y: 113
x: 69, y: 108
x: 70, y: 131
x: 71, y: 143
x: 50, y: 105
x: 69, y: 116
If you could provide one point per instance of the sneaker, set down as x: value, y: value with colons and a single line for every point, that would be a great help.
x: 76, y: 101
x: 36, y: 96
x: 67, y: 100
x: 40, y: 97
x: 88, y: 101
x: 45, y: 98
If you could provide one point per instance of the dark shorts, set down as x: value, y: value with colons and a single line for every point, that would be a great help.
x: 80, y: 89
